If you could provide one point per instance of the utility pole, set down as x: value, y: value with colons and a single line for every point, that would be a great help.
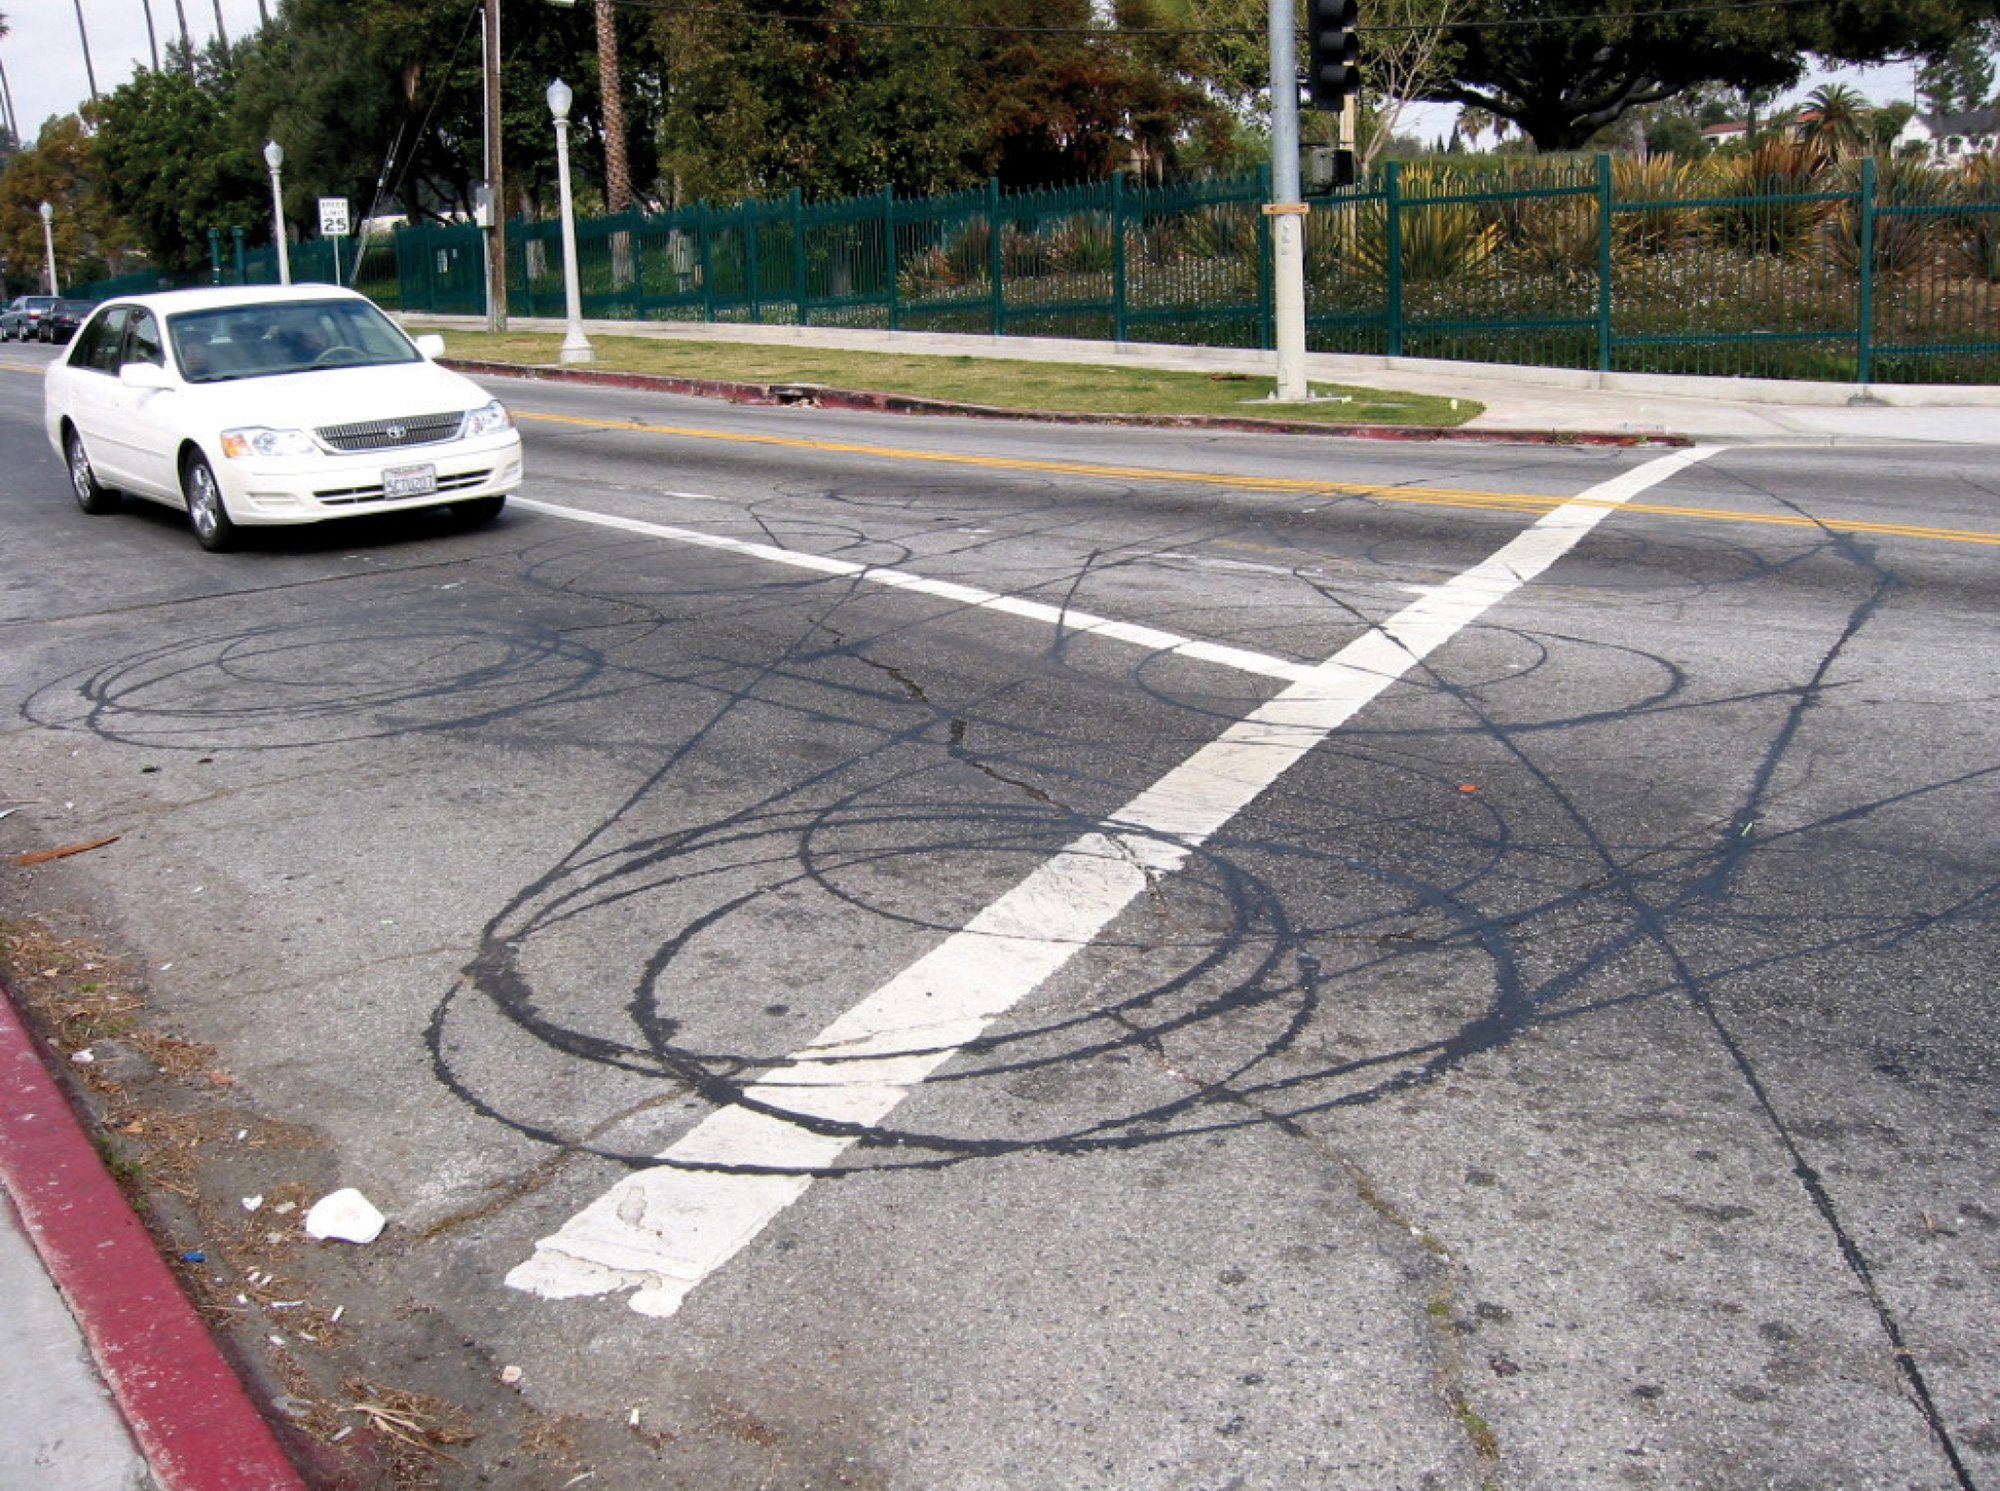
x: 1287, y: 210
x: 220, y: 35
x: 496, y: 229
x: 152, y: 37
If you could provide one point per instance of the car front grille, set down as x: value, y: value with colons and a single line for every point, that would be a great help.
x: 391, y: 434
x: 358, y: 496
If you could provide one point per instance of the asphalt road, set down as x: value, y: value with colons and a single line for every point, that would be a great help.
x: 890, y: 953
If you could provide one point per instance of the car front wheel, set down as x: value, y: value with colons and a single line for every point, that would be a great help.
x: 91, y: 494
x: 207, y: 513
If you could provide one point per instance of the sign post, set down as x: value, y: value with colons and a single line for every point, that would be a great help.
x: 333, y: 224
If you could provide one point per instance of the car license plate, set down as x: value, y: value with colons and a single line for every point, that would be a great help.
x: 409, y: 481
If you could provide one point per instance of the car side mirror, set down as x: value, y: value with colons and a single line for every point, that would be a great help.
x: 146, y: 375
x: 431, y: 345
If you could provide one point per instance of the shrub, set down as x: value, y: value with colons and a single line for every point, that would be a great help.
x: 1661, y: 229
x: 1774, y: 212
x: 1440, y: 241
x: 1902, y: 240
x: 1978, y: 228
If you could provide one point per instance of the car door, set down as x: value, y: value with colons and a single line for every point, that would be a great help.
x: 153, y: 419
x: 93, y: 399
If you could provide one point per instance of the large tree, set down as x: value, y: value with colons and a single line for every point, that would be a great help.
x: 841, y: 97
x: 1560, y: 70
x: 169, y: 163
x: 832, y: 97
x: 60, y: 169
x: 1959, y: 79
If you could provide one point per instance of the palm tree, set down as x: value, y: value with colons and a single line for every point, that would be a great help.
x: 1835, y: 117
x: 617, y: 174
x: 187, y: 41
x: 89, y: 72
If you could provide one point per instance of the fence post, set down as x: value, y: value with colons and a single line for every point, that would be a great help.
x: 1267, y: 313
x: 998, y: 261
x: 535, y: 234
x: 707, y: 261
x: 1392, y: 201
x: 1604, y: 211
x: 889, y: 242
x: 799, y: 253
x: 752, y: 264
x: 1118, y: 256
x: 1864, y: 336
x: 638, y: 250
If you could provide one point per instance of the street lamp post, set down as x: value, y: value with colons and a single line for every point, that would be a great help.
x: 575, y: 347
x: 49, y: 242
x: 274, y: 157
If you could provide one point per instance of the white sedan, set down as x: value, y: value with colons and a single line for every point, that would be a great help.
x: 263, y: 405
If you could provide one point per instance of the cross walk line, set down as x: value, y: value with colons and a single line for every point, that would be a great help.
x: 661, y: 1230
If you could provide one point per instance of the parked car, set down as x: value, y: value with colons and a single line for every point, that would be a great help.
x: 60, y: 321
x: 23, y: 316
x: 274, y: 404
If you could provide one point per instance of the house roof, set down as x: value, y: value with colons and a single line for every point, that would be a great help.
x: 1972, y: 122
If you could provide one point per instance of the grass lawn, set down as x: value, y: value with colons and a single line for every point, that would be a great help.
x: 1066, y: 387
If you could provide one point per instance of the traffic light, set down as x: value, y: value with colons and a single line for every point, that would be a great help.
x: 1334, y: 68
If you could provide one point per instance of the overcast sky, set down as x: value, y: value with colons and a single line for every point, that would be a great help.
x: 43, y: 50
x: 43, y: 53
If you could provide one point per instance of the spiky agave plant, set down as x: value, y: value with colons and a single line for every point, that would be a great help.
x: 1773, y: 203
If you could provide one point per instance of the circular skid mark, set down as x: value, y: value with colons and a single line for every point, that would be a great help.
x: 746, y: 938
x: 314, y: 684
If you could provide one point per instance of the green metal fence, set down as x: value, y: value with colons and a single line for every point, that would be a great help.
x: 1773, y: 265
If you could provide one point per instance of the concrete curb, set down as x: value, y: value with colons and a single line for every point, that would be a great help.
x: 820, y: 396
x: 186, y: 1407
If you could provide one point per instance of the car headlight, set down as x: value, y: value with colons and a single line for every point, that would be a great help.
x: 490, y: 420
x: 256, y: 441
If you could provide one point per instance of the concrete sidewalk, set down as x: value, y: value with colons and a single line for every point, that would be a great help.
x: 1541, y: 403
x: 111, y: 1379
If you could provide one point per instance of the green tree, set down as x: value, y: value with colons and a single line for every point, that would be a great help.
x: 1563, y: 69
x: 1055, y: 105
x: 929, y: 95
x: 1835, y: 117
x: 1887, y: 122
x: 59, y: 169
x: 1960, y: 78
x: 168, y: 162
x: 793, y: 94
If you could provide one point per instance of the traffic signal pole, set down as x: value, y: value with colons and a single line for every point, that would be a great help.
x: 1287, y: 210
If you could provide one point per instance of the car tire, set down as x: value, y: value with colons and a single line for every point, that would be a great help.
x: 208, y: 514
x: 91, y: 494
x: 479, y: 510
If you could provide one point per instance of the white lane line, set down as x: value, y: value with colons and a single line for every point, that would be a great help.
x: 662, y: 1230
x: 1151, y: 638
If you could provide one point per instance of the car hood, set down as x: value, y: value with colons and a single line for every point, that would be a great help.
x: 334, y: 396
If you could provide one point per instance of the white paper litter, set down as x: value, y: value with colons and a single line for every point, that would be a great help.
x: 346, y: 1215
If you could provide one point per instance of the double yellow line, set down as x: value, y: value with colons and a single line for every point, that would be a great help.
x: 1459, y: 497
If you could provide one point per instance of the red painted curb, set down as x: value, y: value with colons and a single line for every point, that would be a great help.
x: 187, y: 1409
x: 898, y: 403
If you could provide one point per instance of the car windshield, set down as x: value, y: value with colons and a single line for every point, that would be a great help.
x: 259, y: 341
